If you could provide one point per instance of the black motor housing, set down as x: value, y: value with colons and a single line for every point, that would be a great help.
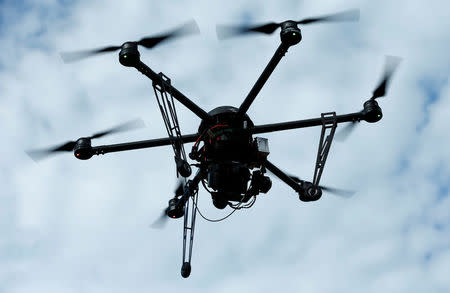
x: 372, y: 112
x: 129, y: 55
x: 83, y: 149
x: 175, y: 209
x: 290, y: 33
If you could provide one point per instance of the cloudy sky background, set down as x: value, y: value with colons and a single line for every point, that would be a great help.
x: 82, y: 226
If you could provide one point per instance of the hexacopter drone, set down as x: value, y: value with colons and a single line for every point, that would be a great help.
x: 231, y: 163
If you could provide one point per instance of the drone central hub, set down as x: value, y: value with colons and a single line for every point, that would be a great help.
x: 228, y: 152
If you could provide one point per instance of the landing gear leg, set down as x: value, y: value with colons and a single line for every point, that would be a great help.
x: 188, y: 229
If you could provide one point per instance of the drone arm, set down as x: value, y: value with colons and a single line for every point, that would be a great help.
x: 282, y: 176
x: 304, y: 123
x: 145, y: 70
x: 100, y: 150
x: 282, y: 49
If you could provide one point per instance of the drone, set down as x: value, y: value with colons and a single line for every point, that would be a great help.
x: 231, y: 162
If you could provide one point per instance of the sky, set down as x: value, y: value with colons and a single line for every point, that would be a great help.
x: 83, y: 226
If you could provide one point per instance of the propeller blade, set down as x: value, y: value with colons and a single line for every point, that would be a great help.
x: 391, y: 64
x: 345, y: 132
x: 161, y: 221
x: 133, y: 124
x: 179, y: 190
x: 37, y: 155
x: 226, y: 31
x: 337, y: 191
x: 347, y: 15
x: 69, y: 57
x: 188, y: 28
x: 296, y: 179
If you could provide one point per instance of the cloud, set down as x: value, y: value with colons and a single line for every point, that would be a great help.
x: 72, y: 226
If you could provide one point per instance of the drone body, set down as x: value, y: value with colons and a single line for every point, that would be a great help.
x: 231, y: 160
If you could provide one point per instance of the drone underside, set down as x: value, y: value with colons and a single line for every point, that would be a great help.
x: 231, y: 162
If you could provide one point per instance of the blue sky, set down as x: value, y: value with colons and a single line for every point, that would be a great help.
x: 72, y: 226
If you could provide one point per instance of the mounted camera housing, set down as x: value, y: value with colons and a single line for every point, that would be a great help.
x: 219, y: 200
x: 229, y: 179
x: 260, y: 182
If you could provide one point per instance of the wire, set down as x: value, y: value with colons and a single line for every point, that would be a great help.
x: 235, y: 208
x: 211, y: 220
x: 204, y: 132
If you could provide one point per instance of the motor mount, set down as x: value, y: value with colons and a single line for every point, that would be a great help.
x: 372, y: 112
x: 290, y: 33
x: 175, y: 209
x: 83, y: 149
x: 129, y: 55
x: 309, y: 192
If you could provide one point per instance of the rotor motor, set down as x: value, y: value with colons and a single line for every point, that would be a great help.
x: 310, y: 192
x: 129, y: 55
x: 83, y: 149
x: 175, y: 209
x: 372, y: 112
x: 290, y: 33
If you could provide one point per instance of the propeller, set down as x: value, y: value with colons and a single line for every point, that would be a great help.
x: 188, y: 28
x: 345, y: 132
x: 226, y: 31
x: 37, y: 155
x: 335, y: 191
x: 391, y: 64
x: 161, y: 221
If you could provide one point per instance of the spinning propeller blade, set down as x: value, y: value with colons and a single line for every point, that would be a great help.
x: 161, y: 221
x: 344, y: 133
x: 391, y: 64
x: 188, y: 28
x: 347, y: 15
x: 227, y: 31
x: 37, y: 155
x: 130, y: 125
x: 332, y: 190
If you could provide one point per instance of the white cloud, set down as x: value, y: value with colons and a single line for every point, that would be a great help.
x: 72, y: 226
